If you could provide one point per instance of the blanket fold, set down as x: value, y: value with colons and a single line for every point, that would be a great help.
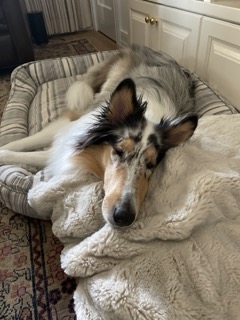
x: 181, y: 259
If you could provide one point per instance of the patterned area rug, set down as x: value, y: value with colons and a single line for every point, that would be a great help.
x: 4, y: 89
x: 59, y: 47
x: 32, y: 284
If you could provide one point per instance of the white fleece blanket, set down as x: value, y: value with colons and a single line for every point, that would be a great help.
x: 181, y: 259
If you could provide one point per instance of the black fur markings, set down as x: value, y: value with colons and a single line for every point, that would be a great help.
x: 154, y: 139
x: 116, y: 116
x: 124, y: 107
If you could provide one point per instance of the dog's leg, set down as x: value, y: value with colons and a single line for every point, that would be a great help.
x: 96, y: 85
x: 79, y: 98
x: 36, y: 158
x: 39, y: 140
x: 115, y: 75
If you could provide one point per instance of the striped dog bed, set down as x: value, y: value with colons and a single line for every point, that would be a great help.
x: 37, y: 97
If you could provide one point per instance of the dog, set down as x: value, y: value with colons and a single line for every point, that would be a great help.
x: 124, y: 115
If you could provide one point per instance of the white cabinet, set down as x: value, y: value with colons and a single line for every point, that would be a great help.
x: 170, y: 30
x: 208, y: 46
x: 218, y: 60
x: 178, y: 35
x: 141, y: 32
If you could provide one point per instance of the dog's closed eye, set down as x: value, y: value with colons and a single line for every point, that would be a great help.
x: 118, y: 152
x: 150, y: 165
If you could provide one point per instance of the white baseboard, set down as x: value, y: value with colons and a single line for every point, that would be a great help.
x: 124, y: 38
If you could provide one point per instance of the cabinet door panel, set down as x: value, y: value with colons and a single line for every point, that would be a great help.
x: 139, y: 29
x: 173, y: 40
x: 219, y: 58
x: 178, y: 33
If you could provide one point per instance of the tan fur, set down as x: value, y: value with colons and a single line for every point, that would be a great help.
x: 107, y: 74
x: 97, y: 160
x: 94, y: 159
x: 71, y: 115
x: 113, y: 185
x: 151, y: 155
x: 98, y: 74
x: 141, y: 190
x: 121, y: 105
x: 126, y: 145
x: 179, y: 134
x: 115, y: 70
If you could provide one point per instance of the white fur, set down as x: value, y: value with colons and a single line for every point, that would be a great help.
x: 79, y: 94
x: 63, y: 145
x: 13, y: 152
x: 155, y: 110
x: 37, y: 158
x: 39, y: 140
x: 79, y: 97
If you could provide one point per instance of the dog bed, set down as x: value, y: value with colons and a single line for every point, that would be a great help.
x: 37, y: 97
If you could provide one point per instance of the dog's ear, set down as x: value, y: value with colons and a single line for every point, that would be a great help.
x: 123, y: 109
x: 178, y: 130
x: 123, y: 102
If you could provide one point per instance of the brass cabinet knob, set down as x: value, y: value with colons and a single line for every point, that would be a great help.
x: 153, y: 21
x: 147, y: 19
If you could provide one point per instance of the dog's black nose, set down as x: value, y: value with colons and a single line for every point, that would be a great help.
x: 123, y: 216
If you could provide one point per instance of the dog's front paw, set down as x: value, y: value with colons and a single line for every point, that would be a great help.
x: 6, y: 157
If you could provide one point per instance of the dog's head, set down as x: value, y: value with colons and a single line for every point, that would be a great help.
x: 133, y: 149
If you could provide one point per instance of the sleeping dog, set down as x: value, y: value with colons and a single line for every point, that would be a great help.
x: 121, y: 119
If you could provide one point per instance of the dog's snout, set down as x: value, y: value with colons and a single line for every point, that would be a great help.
x: 123, y: 215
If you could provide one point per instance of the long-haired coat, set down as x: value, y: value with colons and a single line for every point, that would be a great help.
x: 126, y: 113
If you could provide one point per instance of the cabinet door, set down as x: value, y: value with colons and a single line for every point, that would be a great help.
x: 218, y: 59
x: 178, y: 35
x: 142, y: 32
